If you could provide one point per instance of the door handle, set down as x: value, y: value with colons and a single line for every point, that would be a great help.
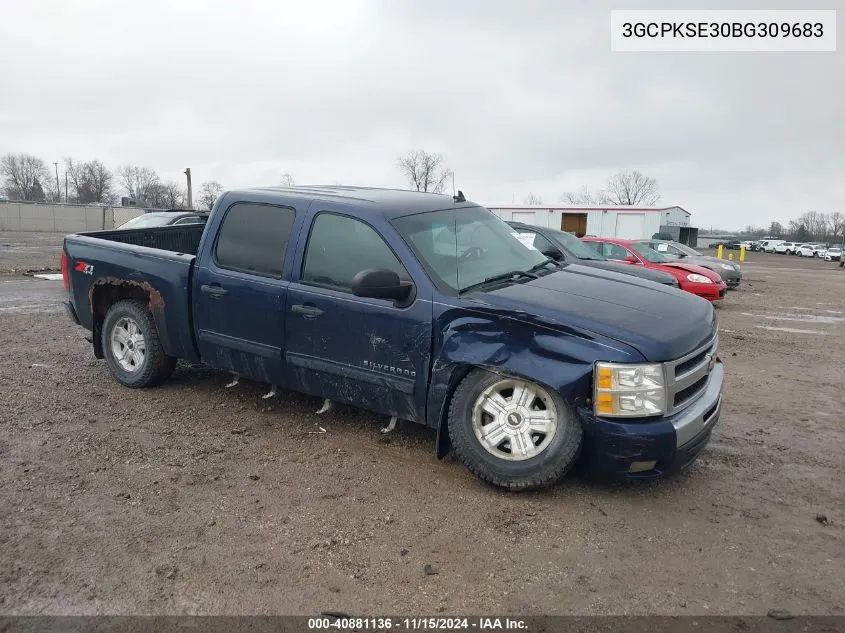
x: 214, y: 291
x: 307, y: 310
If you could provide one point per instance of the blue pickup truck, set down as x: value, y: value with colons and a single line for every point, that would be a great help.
x: 419, y: 306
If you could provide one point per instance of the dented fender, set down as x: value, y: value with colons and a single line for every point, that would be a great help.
x: 521, y: 345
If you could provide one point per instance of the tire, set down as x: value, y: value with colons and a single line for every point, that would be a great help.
x: 129, y: 326
x: 547, y: 459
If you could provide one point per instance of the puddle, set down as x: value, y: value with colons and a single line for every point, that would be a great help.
x: 50, y: 276
x: 790, y: 329
x: 804, y: 318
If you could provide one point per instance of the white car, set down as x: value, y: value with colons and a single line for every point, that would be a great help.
x: 834, y: 254
x: 768, y: 246
x: 819, y: 250
x: 805, y: 250
x: 785, y: 248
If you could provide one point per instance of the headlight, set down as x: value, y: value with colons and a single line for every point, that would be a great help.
x: 699, y: 279
x: 728, y: 266
x: 628, y: 391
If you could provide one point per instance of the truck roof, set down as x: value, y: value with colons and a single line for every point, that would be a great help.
x: 391, y: 202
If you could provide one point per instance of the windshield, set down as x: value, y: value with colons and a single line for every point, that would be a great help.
x: 686, y: 249
x: 146, y: 220
x: 576, y: 246
x: 649, y: 254
x: 462, y: 247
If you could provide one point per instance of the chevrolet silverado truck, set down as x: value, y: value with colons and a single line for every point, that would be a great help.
x: 419, y: 306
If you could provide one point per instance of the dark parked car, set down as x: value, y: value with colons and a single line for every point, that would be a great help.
x: 419, y: 306
x: 565, y: 247
x: 165, y: 218
x: 730, y: 273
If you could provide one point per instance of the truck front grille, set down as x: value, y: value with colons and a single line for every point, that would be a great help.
x: 686, y: 377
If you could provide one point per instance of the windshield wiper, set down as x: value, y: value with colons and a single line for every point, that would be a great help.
x: 543, y: 263
x: 501, y: 277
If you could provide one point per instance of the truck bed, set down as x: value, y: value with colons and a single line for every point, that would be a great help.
x: 183, y: 239
x: 157, y: 262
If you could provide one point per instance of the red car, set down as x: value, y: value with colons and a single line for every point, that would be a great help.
x: 695, y: 279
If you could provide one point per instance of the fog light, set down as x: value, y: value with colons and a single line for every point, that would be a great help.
x: 640, y: 467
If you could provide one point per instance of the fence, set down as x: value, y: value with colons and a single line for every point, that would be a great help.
x: 42, y: 217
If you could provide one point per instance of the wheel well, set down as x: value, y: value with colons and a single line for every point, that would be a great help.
x: 458, y: 374
x: 103, y: 297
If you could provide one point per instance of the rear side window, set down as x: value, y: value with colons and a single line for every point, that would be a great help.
x: 253, y: 238
x: 340, y: 247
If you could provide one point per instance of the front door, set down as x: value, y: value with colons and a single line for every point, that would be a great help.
x: 239, y: 294
x: 364, y: 352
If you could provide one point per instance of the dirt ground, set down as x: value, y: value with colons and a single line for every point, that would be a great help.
x: 196, y: 499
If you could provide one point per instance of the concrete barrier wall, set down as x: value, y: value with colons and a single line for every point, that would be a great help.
x: 62, y: 218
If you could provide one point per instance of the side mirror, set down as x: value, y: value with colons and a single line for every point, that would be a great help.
x: 380, y: 283
x: 553, y: 254
x: 632, y: 260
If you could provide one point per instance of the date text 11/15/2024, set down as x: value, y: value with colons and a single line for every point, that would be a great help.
x: 414, y: 624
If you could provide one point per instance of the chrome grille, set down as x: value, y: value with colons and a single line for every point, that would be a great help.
x: 686, y: 377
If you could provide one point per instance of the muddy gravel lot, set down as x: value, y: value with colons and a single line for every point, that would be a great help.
x: 194, y: 498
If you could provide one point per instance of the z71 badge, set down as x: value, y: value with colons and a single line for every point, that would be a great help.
x: 82, y: 267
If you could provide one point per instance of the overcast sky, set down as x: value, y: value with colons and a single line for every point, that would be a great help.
x: 519, y: 96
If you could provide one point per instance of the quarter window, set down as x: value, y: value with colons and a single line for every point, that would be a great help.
x: 253, y: 238
x: 340, y: 247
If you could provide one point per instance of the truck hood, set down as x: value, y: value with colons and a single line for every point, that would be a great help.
x: 660, y: 322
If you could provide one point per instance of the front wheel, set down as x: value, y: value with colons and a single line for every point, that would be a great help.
x: 511, y: 432
x: 131, y: 346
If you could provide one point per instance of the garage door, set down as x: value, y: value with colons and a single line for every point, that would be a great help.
x: 630, y: 226
x: 526, y: 217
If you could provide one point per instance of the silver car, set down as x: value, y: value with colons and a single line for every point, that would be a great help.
x: 727, y: 270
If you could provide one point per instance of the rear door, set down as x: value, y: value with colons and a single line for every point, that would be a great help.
x: 239, y: 293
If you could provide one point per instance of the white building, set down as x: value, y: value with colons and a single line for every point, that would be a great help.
x: 606, y: 221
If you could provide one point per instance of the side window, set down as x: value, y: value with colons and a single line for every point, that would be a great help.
x: 191, y: 219
x: 614, y: 251
x: 253, y: 238
x: 596, y: 246
x: 543, y: 245
x: 340, y: 247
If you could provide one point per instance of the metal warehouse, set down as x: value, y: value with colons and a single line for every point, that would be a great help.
x: 611, y: 221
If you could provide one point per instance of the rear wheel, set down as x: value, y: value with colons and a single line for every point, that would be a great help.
x: 131, y: 346
x: 511, y: 432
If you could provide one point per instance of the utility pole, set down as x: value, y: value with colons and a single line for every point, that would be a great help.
x: 453, y: 183
x: 58, y: 191
x: 190, y: 194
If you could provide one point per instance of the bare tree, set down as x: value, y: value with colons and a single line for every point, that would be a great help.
x: 23, y: 176
x: 424, y: 171
x: 633, y: 189
x: 630, y: 188
x: 91, y: 181
x: 287, y: 180
x: 532, y: 199
x: 776, y: 229
x: 166, y: 195
x: 138, y: 182
x: 585, y: 197
x: 815, y: 223
x: 209, y: 192
x: 836, y: 224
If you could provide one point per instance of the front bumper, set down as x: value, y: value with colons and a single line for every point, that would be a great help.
x: 730, y: 277
x: 711, y: 292
x: 674, y: 442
